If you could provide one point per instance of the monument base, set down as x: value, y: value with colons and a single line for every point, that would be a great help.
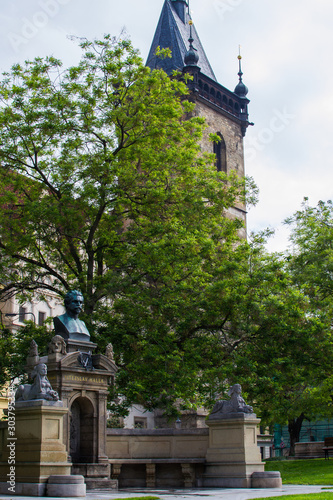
x: 24, y: 489
x: 255, y: 480
x: 56, y: 486
x: 37, y: 451
x: 97, y: 476
x: 224, y: 482
x: 66, y: 486
x: 231, y: 475
x: 233, y: 458
x: 270, y: 479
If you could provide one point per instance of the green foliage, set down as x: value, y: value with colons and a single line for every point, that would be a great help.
x: 79, y: 153
x: 312, y: 253
x: 14, y: 349
x: 103, y: 188
x: 101, y: 177
x: 6, y: 351
x: 310, y: 263
x: 284, y: 362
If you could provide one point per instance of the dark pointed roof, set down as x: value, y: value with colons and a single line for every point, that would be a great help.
x: 173, y: 31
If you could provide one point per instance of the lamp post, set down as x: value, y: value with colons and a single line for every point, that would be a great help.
x: 19, y: 314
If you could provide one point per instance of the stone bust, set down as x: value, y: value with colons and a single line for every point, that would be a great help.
x: 68, y: 325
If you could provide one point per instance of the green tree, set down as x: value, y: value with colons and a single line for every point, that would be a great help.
x: 99, y: 169
x: 312, y: 252
x: 14, y: 349
x: 286, y: 366
x: 103, y: 188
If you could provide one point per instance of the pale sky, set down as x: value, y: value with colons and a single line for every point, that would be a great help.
x: 287, y: 48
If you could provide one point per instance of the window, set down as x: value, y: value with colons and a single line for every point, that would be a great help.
x: 22, y: 314
x: 41, y: 318
x: 140, y: 423
x: 220, y: 154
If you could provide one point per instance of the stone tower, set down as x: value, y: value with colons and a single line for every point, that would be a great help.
x: 226, y: 112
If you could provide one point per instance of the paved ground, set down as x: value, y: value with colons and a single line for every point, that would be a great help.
x: 210, y: 494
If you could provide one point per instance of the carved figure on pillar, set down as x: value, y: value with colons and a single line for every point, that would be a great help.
x: 109, y: 352
x: 235, y: 404
x: 33, y: 351
x: 68, y: 325
x: 40, y: 387
x: 32, y: 358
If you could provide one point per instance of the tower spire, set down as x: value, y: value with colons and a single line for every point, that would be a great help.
x: 240, y: 73
x: 191, y: 57
x: 241, y: 90
x: 173, y: 31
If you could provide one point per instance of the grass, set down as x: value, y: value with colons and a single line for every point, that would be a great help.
x: 314, y: 471
x: 310, y: 496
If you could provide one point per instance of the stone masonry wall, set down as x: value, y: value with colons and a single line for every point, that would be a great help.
x: 232, y: 135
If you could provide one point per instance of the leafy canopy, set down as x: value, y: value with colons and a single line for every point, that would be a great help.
x: 103, y: 188
x: 98, y: 165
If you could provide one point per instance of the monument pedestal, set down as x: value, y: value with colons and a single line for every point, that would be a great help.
x: 97, y: 476
x: 84, y: 389
x: 36, y: 451
x: 233, y: 454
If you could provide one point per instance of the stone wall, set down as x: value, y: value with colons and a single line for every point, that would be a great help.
x: 157, y: 443
x: 157, y: 458
x: 218, y: 122
x: 311, y: 449
x: 230, y: 131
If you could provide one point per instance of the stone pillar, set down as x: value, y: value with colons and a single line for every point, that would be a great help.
x: 188, y: 471
x: 116, y: 471
x: 150, y: 475
x: 38, y: 447
x: 233, y: 454
x: 102, y: 457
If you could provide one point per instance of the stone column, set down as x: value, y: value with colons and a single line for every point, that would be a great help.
x: 101, y: 444
x: 188, y: 471
x: 233, y: 454
x: 150, y: 475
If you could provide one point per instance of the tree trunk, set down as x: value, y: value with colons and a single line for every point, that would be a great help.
x: 294, y: 429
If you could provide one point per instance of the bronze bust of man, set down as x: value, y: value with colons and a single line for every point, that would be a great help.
x: 68, y: 325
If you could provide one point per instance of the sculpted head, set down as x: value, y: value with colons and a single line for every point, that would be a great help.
x: 235, y: 389
x: 57, y: 345
x: 74, y: 302
x: 40, y: 369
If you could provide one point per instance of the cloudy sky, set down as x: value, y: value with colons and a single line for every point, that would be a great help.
x: 287, y: 49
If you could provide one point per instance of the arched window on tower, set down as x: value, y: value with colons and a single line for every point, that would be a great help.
x: 220, y: 152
